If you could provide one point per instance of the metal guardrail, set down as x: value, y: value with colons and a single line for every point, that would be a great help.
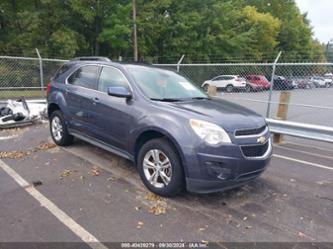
x: 308, y: 131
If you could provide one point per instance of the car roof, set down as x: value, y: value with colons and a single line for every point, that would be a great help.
x: 109, y: 63
x: 228, y: 75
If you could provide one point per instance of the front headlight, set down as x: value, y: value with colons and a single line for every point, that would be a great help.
x: 210, y: 133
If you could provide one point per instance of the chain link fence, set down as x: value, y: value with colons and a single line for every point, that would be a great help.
x: 21, y: 76
x: 257, y: 86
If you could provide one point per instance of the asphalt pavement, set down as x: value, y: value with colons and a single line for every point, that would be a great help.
x: 312, y: 106
x: 81, y: 193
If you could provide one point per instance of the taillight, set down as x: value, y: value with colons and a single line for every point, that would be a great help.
x: 48, y: 89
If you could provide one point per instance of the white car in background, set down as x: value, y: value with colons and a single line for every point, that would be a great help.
x: 226, y: 82
x: 328, y: 79
x: 319, y: 81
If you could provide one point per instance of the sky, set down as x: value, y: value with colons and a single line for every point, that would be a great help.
x: 320, y: 15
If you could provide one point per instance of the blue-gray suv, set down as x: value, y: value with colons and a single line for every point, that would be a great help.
x: 177, y: 136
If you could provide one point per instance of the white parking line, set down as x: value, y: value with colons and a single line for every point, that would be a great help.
x: 303, y: 162
x: 309, y: 147
x: 304, y: 152
x: 53, y: 209
x: 8, y: 137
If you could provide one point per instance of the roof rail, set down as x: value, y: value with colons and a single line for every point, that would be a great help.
x: 91, y: 58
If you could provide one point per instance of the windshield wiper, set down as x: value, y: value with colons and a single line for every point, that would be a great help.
x: 166, y: 99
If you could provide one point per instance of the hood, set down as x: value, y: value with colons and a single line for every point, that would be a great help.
x: 228, y: 115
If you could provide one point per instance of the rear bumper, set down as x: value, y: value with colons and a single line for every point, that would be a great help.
x: 259, y: 87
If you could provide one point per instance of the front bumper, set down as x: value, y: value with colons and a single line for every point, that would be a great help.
x: 209, y: 186
x: 216, y: 172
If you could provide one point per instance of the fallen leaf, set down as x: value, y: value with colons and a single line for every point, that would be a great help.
x: 95, y: 171
x: 158, y: 204
x: 157, y: 209
x: 324, y: 182
x: 301, y: 235
x: 137, y: 208
x: 45, y: 146
x: 151, y: 196
x: 14, y: 154
x: 140, y: 225
x: 65, y: 173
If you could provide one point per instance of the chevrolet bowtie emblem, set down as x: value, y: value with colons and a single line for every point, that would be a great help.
x: 261, y: 140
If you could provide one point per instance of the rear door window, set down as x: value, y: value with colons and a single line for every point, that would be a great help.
x: 218, y: 78
x: 85, y: 76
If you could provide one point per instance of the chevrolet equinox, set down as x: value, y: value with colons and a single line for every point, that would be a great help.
x: 178, y: 137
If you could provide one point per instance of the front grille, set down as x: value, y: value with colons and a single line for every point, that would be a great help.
x: 249, y: 132
x: 255, y: 150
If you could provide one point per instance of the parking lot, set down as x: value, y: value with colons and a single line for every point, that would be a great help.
x: 311, y: 106
x: 82, y: 193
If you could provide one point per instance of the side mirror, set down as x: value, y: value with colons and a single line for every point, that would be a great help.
x: 119, y: 91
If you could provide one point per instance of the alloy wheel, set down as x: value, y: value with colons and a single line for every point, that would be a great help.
x: 56, y: 128
x: 157, y: 168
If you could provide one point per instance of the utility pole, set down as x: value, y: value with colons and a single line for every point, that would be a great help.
x: 135, y: 38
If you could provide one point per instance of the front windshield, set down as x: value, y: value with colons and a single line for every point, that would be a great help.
x: 160, y: 84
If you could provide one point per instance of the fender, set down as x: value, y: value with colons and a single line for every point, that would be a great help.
x: 57, y: 97
x: 176, y: 132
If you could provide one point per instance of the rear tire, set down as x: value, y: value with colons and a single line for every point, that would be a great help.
x: 58, y: 129
x: 159, y: 157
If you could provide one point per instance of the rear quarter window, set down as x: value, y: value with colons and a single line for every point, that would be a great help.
x: 85, y: 76
x: 61, y: 71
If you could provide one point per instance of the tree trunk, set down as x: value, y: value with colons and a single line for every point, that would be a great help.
x: 97, y: 27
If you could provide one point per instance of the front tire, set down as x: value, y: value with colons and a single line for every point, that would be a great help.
x: 160, y: 167
x: 58, y: 129
x: 248, y: 88
x: 229, y: 88
x: 205, y: 87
